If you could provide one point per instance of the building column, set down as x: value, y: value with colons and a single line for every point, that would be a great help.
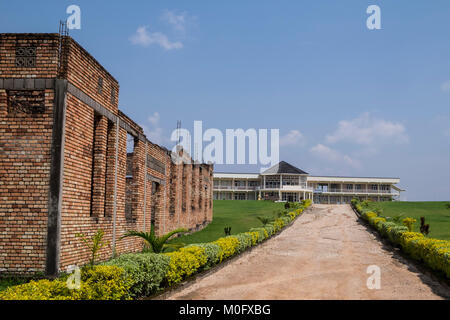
x: 53, y: 245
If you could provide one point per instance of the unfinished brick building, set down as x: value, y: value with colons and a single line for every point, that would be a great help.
x: 64, y: 166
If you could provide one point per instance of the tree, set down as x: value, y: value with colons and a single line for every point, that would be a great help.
x: 152, y: 242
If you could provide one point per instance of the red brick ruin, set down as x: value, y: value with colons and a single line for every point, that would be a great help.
x: 64, y: 166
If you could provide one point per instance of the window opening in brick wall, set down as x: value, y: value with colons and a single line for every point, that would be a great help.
x: 130, y: 183
x: 110, y: 159
x: 100, y: 85
x: 113, y: 96
x: 95, y: 141
x: 25, y: 57
x: 26, y: 102
x: 155, y: 199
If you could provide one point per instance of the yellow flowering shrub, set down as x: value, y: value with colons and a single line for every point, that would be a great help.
x: 292, y: 215
x: 278, y: 224
x: 37, y: 290
x: 103, y: 283
x: 184, y: 263
x: 407, y: 237
x: 368, y: 215
x: 409, y: 223
x: 255, y: 236
x: 433, y: 252
x: 97, y: 283
x: 227, y: 246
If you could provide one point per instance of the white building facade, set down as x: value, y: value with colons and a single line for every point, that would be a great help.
x: 284, y: 182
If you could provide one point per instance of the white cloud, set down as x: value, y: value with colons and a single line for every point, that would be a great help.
x: 145, y: 38
x: 292, y: 138
x: 369, y: 131
x: 332, y: 155
x: 154, y: 132
x: 177, y: 21
x: 445, y: 86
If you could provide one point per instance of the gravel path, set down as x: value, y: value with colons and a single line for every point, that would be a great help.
x: 323, y: 255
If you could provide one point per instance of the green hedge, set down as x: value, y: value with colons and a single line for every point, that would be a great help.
x: 142, y: 274
x: 146, y: 271
x: 97, y: 283
x: 433, y: 252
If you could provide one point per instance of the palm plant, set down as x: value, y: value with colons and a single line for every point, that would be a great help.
x: 156, y: 244
x: 94, y: 244
x: 264, y: 220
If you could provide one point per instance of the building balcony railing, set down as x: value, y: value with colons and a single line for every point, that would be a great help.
x: 356, y: 191
x: 244, y: 188
x: 298, y: 188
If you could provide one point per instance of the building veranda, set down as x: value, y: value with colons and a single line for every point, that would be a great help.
x: 285, y: 182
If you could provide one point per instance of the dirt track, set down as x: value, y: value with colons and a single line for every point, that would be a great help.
x: 323, y: 255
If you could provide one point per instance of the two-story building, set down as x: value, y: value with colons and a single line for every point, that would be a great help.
x: 284, y: 182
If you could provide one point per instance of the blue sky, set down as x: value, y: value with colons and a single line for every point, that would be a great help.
x: 347, y: 100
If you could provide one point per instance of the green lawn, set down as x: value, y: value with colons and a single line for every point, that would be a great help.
x: 239, y: 215
x: 436, y: 215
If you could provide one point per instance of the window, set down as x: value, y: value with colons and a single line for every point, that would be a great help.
x: 113, y: 96
x: 374, y: 187
x: 358, y: 187
x: 349, y: 187
x: 26, y: 102
x: 100, y: 85
x: 25, y: 57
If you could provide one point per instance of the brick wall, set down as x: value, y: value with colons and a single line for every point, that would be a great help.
x: 94, y: 195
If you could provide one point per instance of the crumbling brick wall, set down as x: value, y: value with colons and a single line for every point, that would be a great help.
x: 38, y: 224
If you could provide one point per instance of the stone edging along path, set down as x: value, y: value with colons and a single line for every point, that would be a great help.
x: 203, y: 274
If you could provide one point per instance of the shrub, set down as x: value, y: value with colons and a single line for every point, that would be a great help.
x: 385, y: 227
x: 378, y: 222
x: 97, y: 283
x: 292, y: 215
x: 286, y: 220
x: 409, y: 223
x: 212, y: 252
x: 368, y: 215
x: 184, y: 263
x: 37, y: 290
x: 103, y: 283
x: 245, y: 241
x: 228, y: 246
x: 306, y: 203
x: 146, y: 271
x: 433, y: 252
x: 406, y: 238
x: 269, y: 229
x: 395, y: 232
x: 262, y: 233
x: 278, y: 224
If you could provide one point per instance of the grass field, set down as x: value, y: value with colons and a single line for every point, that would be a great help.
x: 239, y: 215
x: 436, y: 215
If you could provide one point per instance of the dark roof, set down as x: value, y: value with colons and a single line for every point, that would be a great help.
x: 284, y: 167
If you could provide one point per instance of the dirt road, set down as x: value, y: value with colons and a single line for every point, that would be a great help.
x: 323, y: 255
